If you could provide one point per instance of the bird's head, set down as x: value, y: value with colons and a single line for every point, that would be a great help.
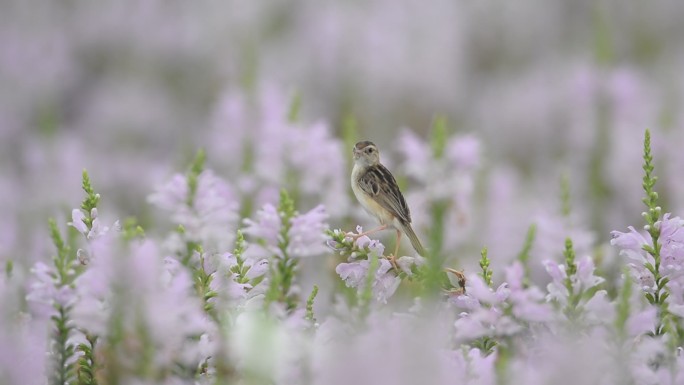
x: 366, y: 154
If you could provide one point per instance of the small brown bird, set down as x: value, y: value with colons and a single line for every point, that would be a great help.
x: 378, y: 192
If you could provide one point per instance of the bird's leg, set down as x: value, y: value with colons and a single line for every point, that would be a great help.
x: 396, y: 248
x: 357, y: 236
x: 393, y: 257
x: 461, y: 280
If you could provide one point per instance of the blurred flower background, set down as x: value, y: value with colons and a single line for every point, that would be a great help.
x: 501, y: 121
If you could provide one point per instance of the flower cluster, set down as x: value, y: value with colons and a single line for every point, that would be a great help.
x: 367, y: 265
x: 305, y: 233
x: 444, y: 172
x: 633, y: 246
x: 202, y: 204
x: 220, y: 299
x: 229, y: 272
x: 271, y: 149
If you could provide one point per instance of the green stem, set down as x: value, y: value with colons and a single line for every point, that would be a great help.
x: 63, y: 350
x: 524, y: 255
x: 310, y: 303
x: 366, y: 296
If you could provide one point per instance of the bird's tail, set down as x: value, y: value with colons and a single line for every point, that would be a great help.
x: 415, y: 242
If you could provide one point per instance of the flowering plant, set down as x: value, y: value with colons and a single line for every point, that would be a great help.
x: 276, y: 295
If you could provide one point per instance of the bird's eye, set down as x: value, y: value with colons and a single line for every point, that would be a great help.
x: 369, y: 150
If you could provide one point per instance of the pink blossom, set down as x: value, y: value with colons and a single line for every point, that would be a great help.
x: 405, y: 263
x: 266, y: 226
x: 641, y: 322
x: 585, y: 277
x: 160, y: 301
x: 464, y: 151
x: 353, y: 273
x: 307, y: 234
x: 630, y: 241
x: 385, y: 282
x: 77, y: 218
x: 211, y: 218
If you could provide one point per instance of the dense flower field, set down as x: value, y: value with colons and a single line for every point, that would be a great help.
x: 216, y: 299
x: 176, y: 206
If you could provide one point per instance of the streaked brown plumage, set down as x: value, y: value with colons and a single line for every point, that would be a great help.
x: 378, y: 192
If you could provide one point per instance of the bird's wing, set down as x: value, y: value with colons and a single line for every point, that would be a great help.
x: 380, y: 185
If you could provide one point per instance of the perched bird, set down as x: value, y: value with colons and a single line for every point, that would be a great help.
x: 377, y: 191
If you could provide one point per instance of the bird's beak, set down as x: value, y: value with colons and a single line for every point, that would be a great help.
x: 355, y: 152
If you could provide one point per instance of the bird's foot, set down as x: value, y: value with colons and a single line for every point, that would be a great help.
x: 354, y: 236
x: 393, y: 261
x: 460, y: 276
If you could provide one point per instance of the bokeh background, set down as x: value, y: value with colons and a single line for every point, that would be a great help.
x: 534, y: 92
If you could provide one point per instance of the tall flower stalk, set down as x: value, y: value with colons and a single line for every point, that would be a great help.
x: 656, y: 279
x: 56, y: 286
x: 62, y: 348
x: 282, y: 274
x: 87, y: 364
x: 652, y: 216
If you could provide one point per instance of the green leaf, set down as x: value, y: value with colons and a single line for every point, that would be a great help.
x: 664, y: 296
x: 590, y: 292
x: 257, y: 280
x: 662, y: 282
x: 649, y: 249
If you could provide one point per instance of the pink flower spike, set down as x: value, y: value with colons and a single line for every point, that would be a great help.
x: 642, y: 322
x: 514, y: 275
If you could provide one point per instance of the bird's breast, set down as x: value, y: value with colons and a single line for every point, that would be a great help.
x: 369, y: 204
